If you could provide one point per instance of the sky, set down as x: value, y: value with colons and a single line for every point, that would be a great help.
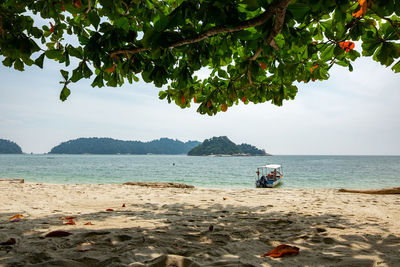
x: 353, y: 113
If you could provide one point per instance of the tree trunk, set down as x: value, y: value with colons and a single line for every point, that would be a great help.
x: 385, y: 191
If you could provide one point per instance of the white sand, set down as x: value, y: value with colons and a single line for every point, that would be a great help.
x: 170, y: 226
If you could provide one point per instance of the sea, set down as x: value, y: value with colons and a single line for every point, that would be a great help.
x: 204, y: 172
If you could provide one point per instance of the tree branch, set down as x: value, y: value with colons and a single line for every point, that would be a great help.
x: 276, y: 8
x: 276, y: 29
x: 387, y: 19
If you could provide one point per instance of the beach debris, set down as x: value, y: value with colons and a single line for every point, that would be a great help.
x: 109, y: 210
x: 9, y: 242
x: 85, y: 246
x: 211, y: 227
x: 384, y: 191
x: 224, y: 198
x: 159, y: 184
x: 89, y: 223
x: 123, y: 205
x: 67, y: 218
x: 281, y: 251
x: 12, y: 180
x: 58, y: 233
x: 70, y: 222
x: 16, y: 218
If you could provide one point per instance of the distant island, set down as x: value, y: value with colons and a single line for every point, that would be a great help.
x: 95, y: 145
x: 9, y: 147
x: 223, y: 146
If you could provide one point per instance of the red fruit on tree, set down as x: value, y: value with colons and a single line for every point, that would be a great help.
x: 244, y: 99
x: 209, y: 103
x: 224, y: 107
x: 78, y: 4
x: 52, y: 27
x: 182, y: 99
x: 263, y: 65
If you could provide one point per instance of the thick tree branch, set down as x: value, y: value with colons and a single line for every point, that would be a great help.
x: 269, y: 40
x: 276, y: 8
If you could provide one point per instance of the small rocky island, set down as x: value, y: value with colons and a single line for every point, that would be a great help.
x: 222, y: 146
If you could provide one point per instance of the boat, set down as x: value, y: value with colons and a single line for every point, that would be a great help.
x: 269, y: 176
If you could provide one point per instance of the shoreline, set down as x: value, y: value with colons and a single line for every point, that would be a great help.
x: 173, y: 224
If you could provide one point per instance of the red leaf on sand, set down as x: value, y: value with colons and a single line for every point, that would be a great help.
x: 224, y: 198
x: 57, y: 233
x: 109, y: 210
x: 282, y: 250
x: 89, y: 223
x: 70, y: 222
x: 9, y: 242
x: 123, y: 205
x: 16, y: 216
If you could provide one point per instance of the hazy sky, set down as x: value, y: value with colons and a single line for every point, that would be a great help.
x: 351, y: 113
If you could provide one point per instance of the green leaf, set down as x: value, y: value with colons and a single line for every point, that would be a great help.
x: 328, y: 53
x: 223, y: 74
x: 39, y: 61
x: 65, y: 92
x: 76, y: 74
x: 353, y: 55
x: 98, y: 81
x: 74, y: 52
x: 162, y: 94
x: 18, y: 65
x: 123, y: 23
x: 396, y: 67
x: 160, y: 22
x: 299, y: 11
x: 384, y: 54
x: 94, y: 18
x: 54, y: 54
x: 8, y: 62
x: 64, y: 73
x: 87, y: 72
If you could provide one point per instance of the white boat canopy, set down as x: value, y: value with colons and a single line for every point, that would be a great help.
x: 272, y: 166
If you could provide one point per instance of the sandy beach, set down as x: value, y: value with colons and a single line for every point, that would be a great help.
x: 195, y: 227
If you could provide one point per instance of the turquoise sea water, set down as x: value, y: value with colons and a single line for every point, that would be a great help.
x: 206, y: 172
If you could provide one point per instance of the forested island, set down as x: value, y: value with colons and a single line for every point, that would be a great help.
x: 223, y: 146
x: 95, y: 145
x: 9, y: 147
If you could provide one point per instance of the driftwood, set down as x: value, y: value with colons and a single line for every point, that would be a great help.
x: 17, y: 180
x: 159, y: 184
x: 393, y: 190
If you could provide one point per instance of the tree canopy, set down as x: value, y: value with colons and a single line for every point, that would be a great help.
x: 256, y: 50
